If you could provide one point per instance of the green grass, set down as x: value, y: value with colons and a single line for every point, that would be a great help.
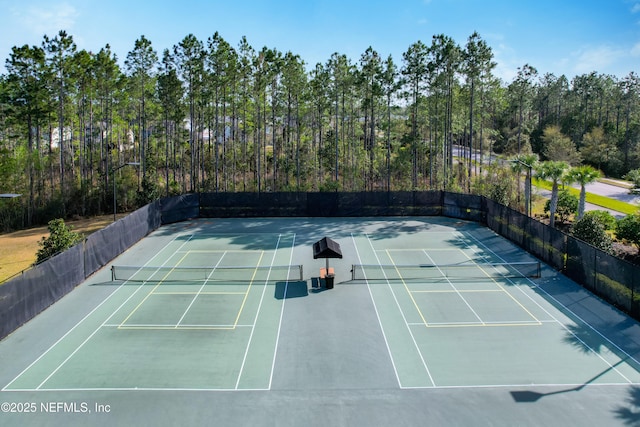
x: 602, y: 201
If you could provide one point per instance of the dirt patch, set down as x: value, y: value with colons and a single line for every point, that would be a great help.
x: 626, y: 252
x: 18, y: 249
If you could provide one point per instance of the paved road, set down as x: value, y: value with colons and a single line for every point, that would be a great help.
x: 603, y: 189
x: 607, y: 190
x: 613, y: 191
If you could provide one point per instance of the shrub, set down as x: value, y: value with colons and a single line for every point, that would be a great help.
x: 500, y: 192
x: 628, y: 228
x: 607, y: 220
x: 634, y: 176
x: 591, y: 230
x: 60, y: 238
x: 567, y: 205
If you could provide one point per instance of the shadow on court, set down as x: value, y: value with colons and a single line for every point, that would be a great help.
x: 630, y: 415
x: 360, y: 354
x: 296, y: 289
x: 586, y: 341
x: 248, y: 233
x: 528, y: 396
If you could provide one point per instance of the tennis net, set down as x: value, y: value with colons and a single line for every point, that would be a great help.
x: 448, y: 271
x: 274, y: 273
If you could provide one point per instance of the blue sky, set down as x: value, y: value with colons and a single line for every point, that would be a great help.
x: 567, y: 37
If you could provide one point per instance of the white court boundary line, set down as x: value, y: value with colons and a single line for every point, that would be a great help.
x: 499, y: 287
x: 255, y: 319
x: 568, y: 311
x: 526, y: 386
x: 106, y: 324
x: 375, y: 308
x: 584, y: 322
x: 404, y: 319
x: 554, y: 320
x: 86, y: 316
x: 98, y: 328
x: 284, y: 300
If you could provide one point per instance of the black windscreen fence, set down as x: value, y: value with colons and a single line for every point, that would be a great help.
x: 106, y: 244
x: 581, y: 263
x: 537, y: 244
x: 240, y: 205
x: 37, y: 288
x: 179, y: 208
x: 612, y: 278
x: 427, y: 203
x: 26, y: 295
x: 335, y: 204
x: 323, y: 204
x: 463, y: 206
x: 546, y: 243
x: 615, y: 280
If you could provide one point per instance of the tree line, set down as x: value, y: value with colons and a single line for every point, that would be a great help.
x: 206, y: 115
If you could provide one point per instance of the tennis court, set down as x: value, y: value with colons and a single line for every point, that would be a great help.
x: 193, y: 316
x: 225, y: 322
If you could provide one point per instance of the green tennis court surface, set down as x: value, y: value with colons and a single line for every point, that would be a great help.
x: 432, y: 321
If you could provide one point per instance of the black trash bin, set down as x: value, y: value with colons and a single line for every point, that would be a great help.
x: 328, y: 281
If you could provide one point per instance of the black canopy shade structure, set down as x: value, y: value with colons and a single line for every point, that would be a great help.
x: 326, y: 248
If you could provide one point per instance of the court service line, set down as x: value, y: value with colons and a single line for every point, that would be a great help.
x: 246, y: 294
x: 217, y: 251
x: 198, y: 293
x: 375, y: 308
x: 167, y: 326
x: 85, y: 318
x: 98, y: 328
x: 455, y: 291
x: 568, y: 310
x: 413, y: 338
x: 193, y: 300
x: 404, y: 283
x: 499, y: 285
x: 417, y: 249
x: 477, y: 324
x: 156, y: 286
x: 255, y: 319
x: 453, y: 287
x: 180, y: 328
x: 136, y: 389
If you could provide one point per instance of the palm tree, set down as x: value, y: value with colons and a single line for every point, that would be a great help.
x: 525, y: 163
x: 553, y: 171
x: 583, y: 175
